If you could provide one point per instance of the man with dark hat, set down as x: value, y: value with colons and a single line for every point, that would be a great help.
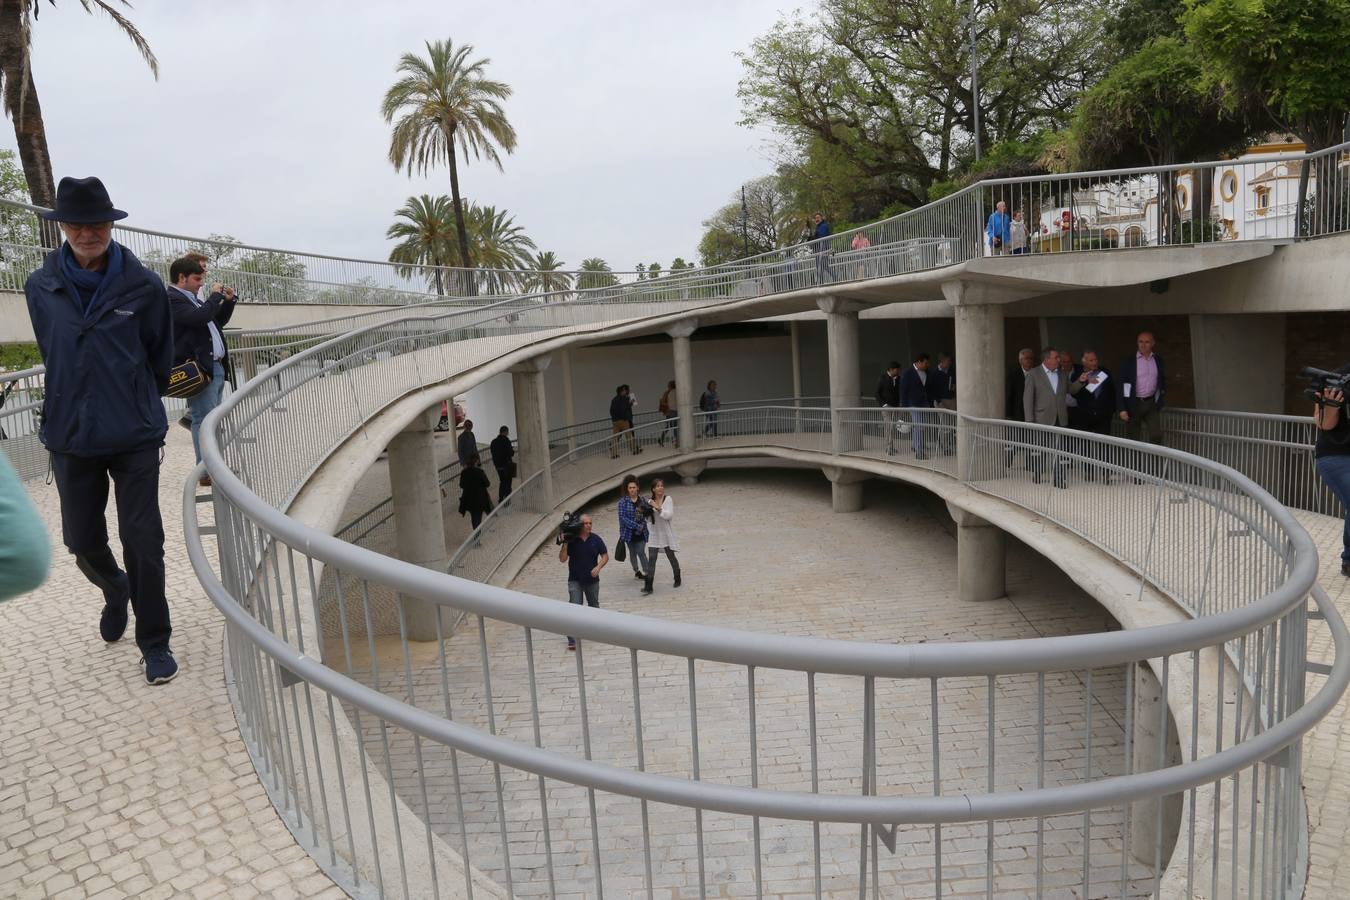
x: 106, y: 337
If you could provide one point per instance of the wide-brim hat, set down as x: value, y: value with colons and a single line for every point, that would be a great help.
x: 83, y: 201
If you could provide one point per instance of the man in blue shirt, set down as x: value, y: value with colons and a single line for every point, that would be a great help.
x: 998, y: 231
x: 820, y: 234
x: 585, y: 556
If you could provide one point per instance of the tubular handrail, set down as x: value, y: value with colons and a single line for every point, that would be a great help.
x: 787, y: 804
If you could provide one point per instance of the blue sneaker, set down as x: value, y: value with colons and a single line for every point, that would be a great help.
x: 159, y: 666
x: 113, y: 623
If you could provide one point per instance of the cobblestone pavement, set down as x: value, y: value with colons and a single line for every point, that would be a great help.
x: 110, y: 787
x: 762, y: 551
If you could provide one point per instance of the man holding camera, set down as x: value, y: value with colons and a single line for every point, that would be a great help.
x: 1333, y: 450
x: 198, y: 334
x: 585, y: 555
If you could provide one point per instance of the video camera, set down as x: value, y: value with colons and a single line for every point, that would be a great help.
x: 645, y: 509
x: 570, y: 528
x: 1320, y: 380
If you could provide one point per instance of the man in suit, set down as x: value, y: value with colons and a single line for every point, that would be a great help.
x: 1139, y: 391
x: 1016, y: 388
x: 1044, y: 402
x: 915, y: 394
x: 198, y: 334
x: 888, y: 398
x: 1094, y: 391
x: 943, y: 381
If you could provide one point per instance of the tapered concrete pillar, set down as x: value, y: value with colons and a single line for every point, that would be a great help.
x: 846, y: 489
x: 419, y: 529
x: 981, y: 371
x: 981, y: 558
x: 569, y: 402
x: 795, y: 336
x: 841, y: 324
x: 684, y: 380
x: 1155, y: 746
x: 689, y: 471
x: 532, y: 452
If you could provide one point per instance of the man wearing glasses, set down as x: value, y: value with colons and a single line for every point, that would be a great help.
x: 106, y: 337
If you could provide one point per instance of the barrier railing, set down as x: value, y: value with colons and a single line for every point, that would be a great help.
x: 1094, y: 772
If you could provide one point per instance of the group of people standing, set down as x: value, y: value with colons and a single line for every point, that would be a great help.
x: 917, y: 387
x: 646, y: 530
x: 622, y: 411
x: 1006, y: 234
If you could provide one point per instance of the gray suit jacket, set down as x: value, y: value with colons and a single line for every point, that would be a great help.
x: 1044, y: 405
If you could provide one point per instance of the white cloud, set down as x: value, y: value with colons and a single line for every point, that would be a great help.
x: 265, y: 120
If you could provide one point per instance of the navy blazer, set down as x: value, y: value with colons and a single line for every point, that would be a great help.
x: 191, y: 331
x: 1127, y: 376
x: 913, y: 392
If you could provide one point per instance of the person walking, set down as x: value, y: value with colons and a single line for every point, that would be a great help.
x: 888, y: 398
x: 1044, y: 404
x: 669, y: 406
x: 998, y: 230
x: 467, y: 446
x: 916, y: 394
x: 820, y: 234
x: 1332, y: 454
x: 474, y: 498
x: 105, y: 333
x: 710, y: 403
x: 585, y: 555
x: 1093, y: 410
x: 1140, y: 390
x: 1018, y: 240
x: 662, y: 534
x: 503, y: 460
x: 633, y: 529
x: 621, y: 421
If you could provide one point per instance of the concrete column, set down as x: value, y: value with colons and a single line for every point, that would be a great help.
x: 981, y: 558
x: 532, y: 453
x: 1151, y: 716
x: 795, y: 336
x: 846, y: 489
x: 841, y: 324
x: 980, y: 368
x: 689, y: 471
x: 569, y: 402
x: 684, y: 380
x: 419, y: 529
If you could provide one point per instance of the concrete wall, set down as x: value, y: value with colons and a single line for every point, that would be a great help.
x: 490, y: 405
x: 1239, y: 361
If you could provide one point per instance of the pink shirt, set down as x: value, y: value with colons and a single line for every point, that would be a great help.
x: 1145, y: 375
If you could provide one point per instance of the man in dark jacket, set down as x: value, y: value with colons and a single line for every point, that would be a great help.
x: 888, y: 398
x: 621, y: 420
x: 468, y: 444
x: 1094, y: 390
x: 1016, y: 389
x: 1140, y: 390
x: 503, y: 455
x: 915, y: 394
x: 106, y: 338
x: 198, y: 334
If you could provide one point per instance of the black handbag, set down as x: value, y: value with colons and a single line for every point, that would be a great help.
x: 621, y: 551
x: 187, y: 380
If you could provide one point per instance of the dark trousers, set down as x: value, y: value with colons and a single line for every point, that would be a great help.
x: 1091, y: 423
x: 503, y: 483
x: 1146, y: 419
x: 652, y: 553
x: 1052, y: 457
x: 82, y: 483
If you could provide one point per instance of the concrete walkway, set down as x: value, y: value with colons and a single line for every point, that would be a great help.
x: 110, y: 788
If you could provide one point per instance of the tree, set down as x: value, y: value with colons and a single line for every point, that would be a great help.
x: 445, y: 106
x: 425, y: 230
x: 878, y: 91
x: 764, y: 223
x: 654, y: 271
x: 271, y: 277
x: 679, y: 265
x: 1289, y: 53
x: 20, y: 97
x: 20, y: 245
x: 545, y: 275
x: 595, y: 273
x: 499, y: 245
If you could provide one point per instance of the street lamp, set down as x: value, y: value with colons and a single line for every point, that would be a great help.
x: 974, y: 81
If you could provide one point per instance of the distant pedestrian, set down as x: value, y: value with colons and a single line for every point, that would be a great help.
x: 633, y: 529
x: 585, y: 556
x: 503, y: 460
x: 1014, y: 406
x: 860, y: 245
x: 621, y: 421
x: 710, y: 403
x: 669, y: 407
x: 942, y: 382
x: 1139, y: 391
x: 998, y: 230
x: 1019, y: 241
x: 1043, y: 400
x: 662, y: 534
x: 820, y: 235
x: 103, y: 326
x: 915, y: 395
x: 888, y: 398
x: 468, y: 443
x: 474, y: 498
x: 1094, y: 407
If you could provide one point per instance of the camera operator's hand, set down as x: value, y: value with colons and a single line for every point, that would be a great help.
x: 1124, y: 416
x: 217, y: 287
x: 1329, y: 403
x: 229, y: 294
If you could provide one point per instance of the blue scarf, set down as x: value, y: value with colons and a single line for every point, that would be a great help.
x: 87, y: 281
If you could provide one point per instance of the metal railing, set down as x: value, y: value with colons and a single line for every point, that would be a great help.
x: 1084, y: 770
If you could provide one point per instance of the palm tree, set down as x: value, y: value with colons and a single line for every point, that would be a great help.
x: 499, y: 245
x: 444, y: 102
x: 426, y: 236
x: 545, y: 276
x: 20, y: 93
x: 595, y: 273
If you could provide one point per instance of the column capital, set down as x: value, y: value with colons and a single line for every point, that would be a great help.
x: 954, y: 292
x: 840, y: 475
x: 832, y: 304
x: 531, y: 366
x: 683, y: 328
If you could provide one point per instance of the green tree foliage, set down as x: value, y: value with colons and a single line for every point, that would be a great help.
x: 1290, y: 53
x: 679, y: 265
x: 874, y: 98
x: 499, y: 245
x: 446, y: 106
x: 17, y: 357
x: 18, y: 92
x: 765, y: 222
x: 425, y: 230
x: 20, y: 250
x: 266, y: 276
x: 545, y: 275
x: 595, y: 273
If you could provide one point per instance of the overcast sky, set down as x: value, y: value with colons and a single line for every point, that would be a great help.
x: 265, y: 121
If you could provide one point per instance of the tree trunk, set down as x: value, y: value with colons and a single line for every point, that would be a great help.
x: 440, y: 286
x: 460, y: 230
x: 22, y: 107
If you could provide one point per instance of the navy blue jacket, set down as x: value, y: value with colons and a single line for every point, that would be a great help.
x: 621, y: 409
x: 1127, y: 376
x: 107, y: 371
x: 913, y: 392
x: 941, y: 384
x: 191, y: 332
